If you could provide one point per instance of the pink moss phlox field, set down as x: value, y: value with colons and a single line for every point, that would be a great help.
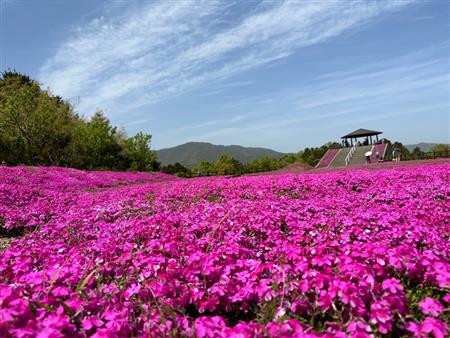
x: 30, y: 196
x: 348, y: 253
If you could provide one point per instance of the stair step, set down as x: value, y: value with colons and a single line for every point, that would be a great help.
x: 358, y: 156
x: 339, y: 160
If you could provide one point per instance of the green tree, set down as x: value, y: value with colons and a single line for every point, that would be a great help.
x: 203, y: 168
x: 417, y: 153
x: 96, y: 144
x: 441, y: 150
x: 404, y: 152
x: 289, y: 159
x: 176, y: 169
x: 441, y: 147
x: 136, y: 151
x: 262, y: 164
x: 227, y: 165
x: 35, y: 126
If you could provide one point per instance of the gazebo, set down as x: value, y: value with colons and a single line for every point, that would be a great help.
x: 361, y: 133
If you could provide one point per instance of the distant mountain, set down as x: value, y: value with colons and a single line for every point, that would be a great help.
x: 192, y: 153
x: 422, y: 145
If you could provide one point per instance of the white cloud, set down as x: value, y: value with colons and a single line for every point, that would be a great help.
x: 159, y: 50
x: 402, y: 86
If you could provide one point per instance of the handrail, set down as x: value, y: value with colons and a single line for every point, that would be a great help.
x: 350, y: 154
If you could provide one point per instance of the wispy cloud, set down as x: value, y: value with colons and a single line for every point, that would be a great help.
x: 403, y: 86
x: 155, y: 51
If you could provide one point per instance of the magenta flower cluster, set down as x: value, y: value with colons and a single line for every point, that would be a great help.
x: 359, y: 253
x: 30, y: 196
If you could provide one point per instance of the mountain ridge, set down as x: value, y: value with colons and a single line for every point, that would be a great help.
x: 191, y: 153
x: 424, y: 146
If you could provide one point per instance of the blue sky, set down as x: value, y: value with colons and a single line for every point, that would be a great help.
x: 284, y: 75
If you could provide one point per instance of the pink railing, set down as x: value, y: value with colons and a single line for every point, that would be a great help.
x: 327, y: 158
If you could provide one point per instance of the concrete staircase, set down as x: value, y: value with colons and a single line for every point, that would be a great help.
x: 339, y: 160
x: 358, y: 156
x: 335, y: 160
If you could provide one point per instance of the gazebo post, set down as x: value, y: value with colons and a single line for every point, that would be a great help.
x: 371, y: 140
x: 377, y: 138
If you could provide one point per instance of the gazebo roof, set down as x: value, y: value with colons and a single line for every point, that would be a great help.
x: 361, y: 133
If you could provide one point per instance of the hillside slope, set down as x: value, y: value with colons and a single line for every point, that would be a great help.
x: 422, y: 145
x: 191, y: 153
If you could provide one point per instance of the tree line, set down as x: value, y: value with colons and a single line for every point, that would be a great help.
x: 439, y: 150
x: 39, y: 128
x: 227, y: 165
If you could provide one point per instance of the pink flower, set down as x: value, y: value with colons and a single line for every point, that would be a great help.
x: 206, y: 327
x: 132, y: 290
x: 413, y: 328
x: 435, y: 326
x: 392, y: 285
x: 61, y: 291
x: 89, y: 323
x: 49, y: 332
x: 429, y: 325
x: 359, y: 329
x: 110, y: 288
x: 381, y: 315
x: 280, y: 312
x: 447, y: 298
x: 431, y: 306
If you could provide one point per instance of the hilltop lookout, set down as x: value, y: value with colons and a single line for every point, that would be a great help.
x: 358, y: 147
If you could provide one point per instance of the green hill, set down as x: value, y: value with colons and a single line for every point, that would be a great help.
x: 423, y: 146
x: 191, y: 153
